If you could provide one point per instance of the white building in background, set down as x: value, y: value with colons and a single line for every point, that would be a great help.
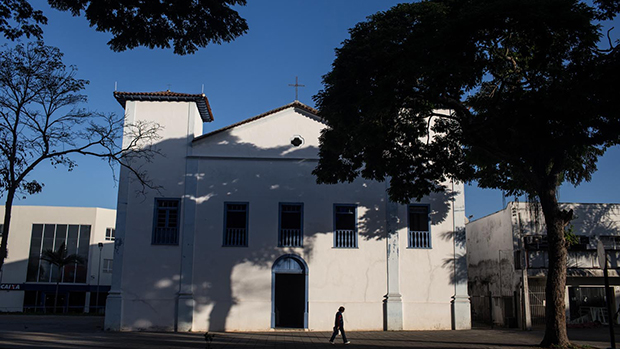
x: 240, y: 237
x: 507, y: 264
x: 28, y: 284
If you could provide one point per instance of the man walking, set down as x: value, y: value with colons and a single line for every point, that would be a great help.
x: 339, y: 326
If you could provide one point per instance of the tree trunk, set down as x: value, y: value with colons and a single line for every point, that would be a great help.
x: 8, y: 207
x: 555, y: 312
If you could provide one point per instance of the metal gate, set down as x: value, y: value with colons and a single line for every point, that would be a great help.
x: 481, y: 309
x: 537, y: 304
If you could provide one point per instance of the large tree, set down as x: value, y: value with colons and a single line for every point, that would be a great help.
x: 187, y: 24
x: 41, y: 121
x: 514, y: 94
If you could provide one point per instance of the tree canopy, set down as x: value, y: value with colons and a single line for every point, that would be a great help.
x: 184, y: 24
x: 514, y: 94
x: 505, y: 73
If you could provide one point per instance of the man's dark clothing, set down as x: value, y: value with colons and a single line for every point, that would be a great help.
x: 339, y: 326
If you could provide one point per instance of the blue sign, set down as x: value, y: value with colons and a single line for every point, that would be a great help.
x: 11, y: 287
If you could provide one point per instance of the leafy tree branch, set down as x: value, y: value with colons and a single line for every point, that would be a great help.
x: 513, y: 94
x: 186, y: 25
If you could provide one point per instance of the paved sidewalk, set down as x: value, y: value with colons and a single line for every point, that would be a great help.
x: 32, y: 331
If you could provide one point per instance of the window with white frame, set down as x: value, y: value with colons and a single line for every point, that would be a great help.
x: 107, y: 265
x: 109, y: 234
x: 236, y: 224
x: 166, y: 225
x: 419, y: 227
x: 345, y: 226
x: 291, y: 225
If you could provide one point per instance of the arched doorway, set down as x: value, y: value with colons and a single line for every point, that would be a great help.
x: 289, y: 292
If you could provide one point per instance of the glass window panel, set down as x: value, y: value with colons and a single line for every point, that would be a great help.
x: 59, y: 240
x: 72, y: 248
x: 173, y: 218
x: 83, y: 249
x: 61, y: 235
x: 291, y: 208
x: 166, y: 227
x: 72, y: 239
x: 69, y: 273
x: 162, y: 218
x: 345, y: 218
x: 107, y: 265
x: 418, y: 218
x: 35, y: 253
x: 109, y: 234
x: 291, y: 220
x: 48, y: 244
x: 236, y: 216
x: 235, y: 232
x: 48, y: 236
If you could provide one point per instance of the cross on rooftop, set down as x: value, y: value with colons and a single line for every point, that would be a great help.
x: 296, y: 85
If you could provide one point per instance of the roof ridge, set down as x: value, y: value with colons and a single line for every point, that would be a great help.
x: 295, y: 104
x: 204, y: 108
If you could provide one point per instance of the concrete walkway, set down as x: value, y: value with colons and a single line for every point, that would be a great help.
x: 32, y: 331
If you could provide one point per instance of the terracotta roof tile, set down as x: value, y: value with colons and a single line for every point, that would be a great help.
x: 295, y: 104
x: 166, y: 96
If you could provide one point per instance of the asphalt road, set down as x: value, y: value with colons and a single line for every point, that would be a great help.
x: 40, y: 331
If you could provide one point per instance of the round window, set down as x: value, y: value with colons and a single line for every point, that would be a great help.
x: 297, y: 140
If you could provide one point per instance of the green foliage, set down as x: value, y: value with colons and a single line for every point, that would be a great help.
x: 18, y: 18
x: 570, y: 236
x: 60, y: 258
x: 516, y: 94
x: 184, y: 24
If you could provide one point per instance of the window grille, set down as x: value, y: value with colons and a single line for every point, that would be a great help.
x: 419, y: 231
x: 291, y: 225
x: 345, y: 230
x: 166, y: 229
x: 236, y: 229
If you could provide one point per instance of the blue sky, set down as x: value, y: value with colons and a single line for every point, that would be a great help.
x: 244, y: 78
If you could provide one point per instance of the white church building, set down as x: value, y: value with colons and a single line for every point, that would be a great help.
x: 241, y: 238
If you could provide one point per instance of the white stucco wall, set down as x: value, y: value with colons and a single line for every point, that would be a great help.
x: 22, y: 219
x: 489, y: 243
x: 336, y: 276
x: 231, y: 287
x: 490, y: 260
x: 149, y: 277
x: 498, y: 234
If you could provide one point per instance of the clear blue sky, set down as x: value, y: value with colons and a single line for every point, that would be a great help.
x: 244, y: 78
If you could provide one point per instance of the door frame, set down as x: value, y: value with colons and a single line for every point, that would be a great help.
x: 304, y: 271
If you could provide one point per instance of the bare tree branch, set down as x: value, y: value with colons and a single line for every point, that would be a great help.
x: 41, y: 120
